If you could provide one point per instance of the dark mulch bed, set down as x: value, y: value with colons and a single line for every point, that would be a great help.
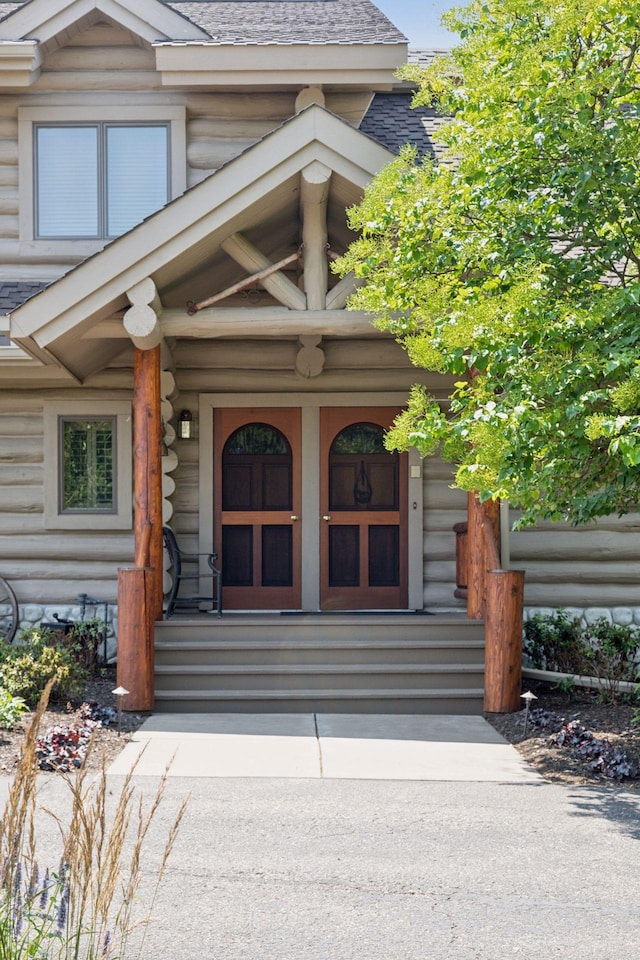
x: 106, y: 741
x: 612, y: 723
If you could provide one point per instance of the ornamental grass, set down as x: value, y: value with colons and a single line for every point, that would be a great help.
x: 87, y: 906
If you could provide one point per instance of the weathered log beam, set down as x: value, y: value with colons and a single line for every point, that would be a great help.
x: 337, y: 297
x: 314, y: 194
x: 215, y: 322
x: 193, y: 308
x: 252, y: 260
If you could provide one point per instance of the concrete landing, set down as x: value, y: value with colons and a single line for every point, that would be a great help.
x: 324, y: 746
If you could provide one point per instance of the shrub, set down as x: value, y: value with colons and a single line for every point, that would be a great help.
x: 26, y: 668
x: 604, y: 650
x: 82, y: 644
x: 556, y: 642
x: 613, y: 655
x: 11, y: 709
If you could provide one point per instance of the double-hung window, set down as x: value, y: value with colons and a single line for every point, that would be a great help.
x: 96, y: 181
x: 90, y: 174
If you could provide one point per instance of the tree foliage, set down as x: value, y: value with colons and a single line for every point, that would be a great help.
x: 517, y: 257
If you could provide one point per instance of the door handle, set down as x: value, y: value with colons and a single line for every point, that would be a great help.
x: 327, y: 517
x: 294, y: 516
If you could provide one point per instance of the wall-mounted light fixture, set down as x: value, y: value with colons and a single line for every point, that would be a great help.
x: 185, y: 425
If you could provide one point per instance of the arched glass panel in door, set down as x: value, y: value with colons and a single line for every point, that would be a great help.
x: 363, y: 475
x: 257, y: 478
x: 363, y: 478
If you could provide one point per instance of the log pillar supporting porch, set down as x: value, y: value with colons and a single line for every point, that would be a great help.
x: 483, y: 532
x: 495, y: 595
x: 503, y: 641
x: 140, y: 587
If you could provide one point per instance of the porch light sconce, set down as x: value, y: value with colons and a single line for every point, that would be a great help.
x: 185, y: 425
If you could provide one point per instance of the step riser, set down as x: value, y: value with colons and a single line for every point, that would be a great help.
x: 420, y: 628
x: 326, y: 680
x: 462, y: 705
x: 206, y: 655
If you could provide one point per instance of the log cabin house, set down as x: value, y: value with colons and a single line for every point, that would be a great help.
x: 174, y: 176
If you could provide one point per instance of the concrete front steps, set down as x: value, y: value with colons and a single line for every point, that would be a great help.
x: 331, y: 663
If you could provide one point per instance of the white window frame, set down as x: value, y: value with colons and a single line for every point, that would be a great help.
x: 122, y: 517
x: 30, y: 117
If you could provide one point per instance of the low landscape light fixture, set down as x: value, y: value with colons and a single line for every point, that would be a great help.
x: 119, y: 693
x: 527, y: 697
x: 185, y: 425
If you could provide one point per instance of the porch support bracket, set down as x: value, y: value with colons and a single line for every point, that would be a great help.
x: 193, y: 308
x: 252, y: 260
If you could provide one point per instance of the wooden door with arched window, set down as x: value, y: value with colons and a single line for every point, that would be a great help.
x: 363, y: 490
x: 257, y: 487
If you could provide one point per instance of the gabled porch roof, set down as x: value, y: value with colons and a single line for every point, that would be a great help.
x: 76, y: 322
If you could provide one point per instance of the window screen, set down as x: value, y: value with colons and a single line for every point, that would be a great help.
x: 87, y: 448
x: 98, y: 180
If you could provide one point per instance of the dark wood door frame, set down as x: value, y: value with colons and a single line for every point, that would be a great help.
x: 257, y: 596
x: 332, y: 421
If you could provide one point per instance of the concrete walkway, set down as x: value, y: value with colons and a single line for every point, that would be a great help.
x: 324, y: 746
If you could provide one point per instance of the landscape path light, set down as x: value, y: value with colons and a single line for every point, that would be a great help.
x: 119, y: 693
x: 527, y: 697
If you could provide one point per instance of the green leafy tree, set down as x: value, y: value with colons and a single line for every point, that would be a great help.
x: 517, y: 258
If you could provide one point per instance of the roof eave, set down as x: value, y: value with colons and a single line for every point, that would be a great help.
x: 20, y: 62
x: 279, y: 64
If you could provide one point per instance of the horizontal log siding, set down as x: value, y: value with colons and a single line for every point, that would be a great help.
x: 589, y: 566
x: 46, y: 566
x: 443, y: 507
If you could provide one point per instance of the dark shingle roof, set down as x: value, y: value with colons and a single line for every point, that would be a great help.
x: 426, y: 57
x: 281, y: 21
x: 13, y: 293
x: 290, y: 21
x: 7, y: 8
x: 392, y: 121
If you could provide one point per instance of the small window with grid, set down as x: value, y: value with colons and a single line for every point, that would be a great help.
x: 87, y: 462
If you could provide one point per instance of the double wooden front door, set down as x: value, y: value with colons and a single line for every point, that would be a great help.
x: 362, y: 511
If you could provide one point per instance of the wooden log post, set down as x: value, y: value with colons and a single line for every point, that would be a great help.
x: 503, y: 641
x: 135, y: 637
x: 140, y: 587
x: 483, y: 518
x: 147, y: 464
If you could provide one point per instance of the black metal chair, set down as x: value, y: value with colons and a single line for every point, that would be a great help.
x: 177, y: 558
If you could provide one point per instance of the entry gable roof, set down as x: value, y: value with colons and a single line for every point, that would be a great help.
x: 184, y: 237
x: 152, y: 20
